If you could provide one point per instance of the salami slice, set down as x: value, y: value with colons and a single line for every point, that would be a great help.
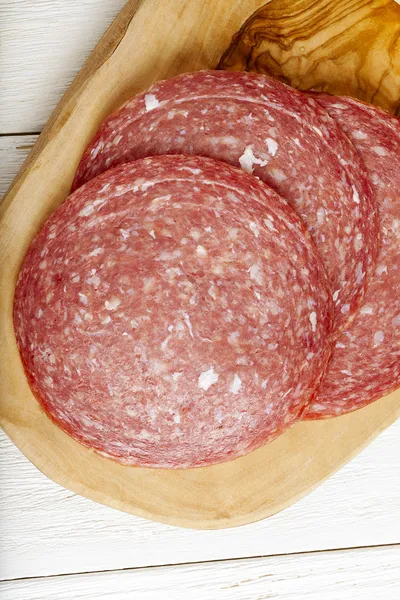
x: 173, y: 312
x: 365, y: 364
x: 272, y: 131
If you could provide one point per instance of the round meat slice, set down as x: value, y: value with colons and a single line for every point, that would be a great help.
x: 173, y: 312
x: 272, y: 131
x: 365, y: 364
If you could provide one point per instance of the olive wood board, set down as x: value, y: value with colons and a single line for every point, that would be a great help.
x: 151, y: 40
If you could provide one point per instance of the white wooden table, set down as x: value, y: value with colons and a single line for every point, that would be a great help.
x: 342, y: 541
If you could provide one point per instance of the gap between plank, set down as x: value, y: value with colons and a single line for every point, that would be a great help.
x: 24, y: 133
x: 202, y: 562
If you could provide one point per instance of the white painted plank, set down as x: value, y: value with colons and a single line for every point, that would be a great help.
x: 13, y: 151
x: 365, y: 574
x: 44, y: 43
x: 47, y: 530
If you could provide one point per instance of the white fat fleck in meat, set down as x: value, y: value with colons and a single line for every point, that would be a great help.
x: 346, y: 372
x: 148, y: 284
x: 359, y: 135
x: 380, y: 150
x: 48, y: 381
x: 321, y: 212
x: 207, y: 379
x: 96, y: 252
x: 164, y: 256
x: 339, y: 345
x: 318, y: 131
x: 396, y: 321
x: 358, y: 242
x: 254, y: 228
x: 112, y: 304
x: 218, y: 416
x: 164, y: 344
x: 269, y: 223
x: 345, y: 309
x: 158, y: 366
x: 131, y: 411
x: 106, y: 320
x: 232, y: 337
x: 191, y: 169
x: 236, y: 384
x: 256, y: 274
x: 212, y: 291
x: 248, y: 160
x: 217, y: 269
x: 134, y: 323
x: 97, y: 149
x: 273, y: 307
x: 43, y: 265
x: 208, y: 229
x: 367, y: 310
x: 153, y: 235
x: 380, y: 269
x: 188, y: 323
x: 177, y: 418
x: 151, y: 412
x: 356, y: 195
x: 83, y: 298
x: 201, y: 251
x: 176, y: 376
x: 151, y: 102
x: 233, y: 233
x: 335, y: 295
x: 195, y: 234
x: 86, y: 210
x: 93, y: 280
x: 359, y: 273
x: 378, y: 338
x: 76, y: 279
x: 124, y: 233
x: 313, y: 320
x: 278, y: 175
x: 272, y: 146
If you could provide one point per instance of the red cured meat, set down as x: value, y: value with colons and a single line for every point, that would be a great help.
x: 173, y: 312
x: 365, y: 364
x: 273, y: 131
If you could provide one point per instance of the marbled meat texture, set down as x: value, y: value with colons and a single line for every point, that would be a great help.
x: 365, y: 364
x: 272, y: 131
x: 173, y: 312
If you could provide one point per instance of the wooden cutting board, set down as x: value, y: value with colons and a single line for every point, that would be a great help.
x: 148, y: 41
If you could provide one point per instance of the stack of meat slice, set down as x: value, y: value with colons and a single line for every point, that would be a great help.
x: 227, y: 264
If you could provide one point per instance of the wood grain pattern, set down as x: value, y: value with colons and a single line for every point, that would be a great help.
x: 359, y: 575
x: 150, y: 41
x: 46, y: 530
x: 349, y: 47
